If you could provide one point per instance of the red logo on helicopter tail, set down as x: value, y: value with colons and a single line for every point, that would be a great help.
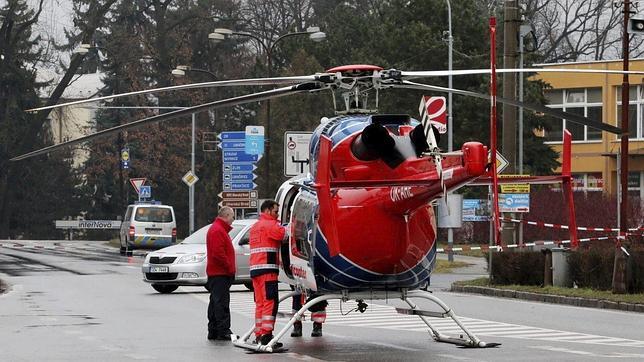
x: 434, y: 110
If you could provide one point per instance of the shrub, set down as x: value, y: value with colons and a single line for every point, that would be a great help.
x: 518, y: 267
x: 635, y: 281
x: 592, y: 266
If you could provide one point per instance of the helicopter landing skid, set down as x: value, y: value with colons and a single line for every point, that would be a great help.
x: 471, y: 341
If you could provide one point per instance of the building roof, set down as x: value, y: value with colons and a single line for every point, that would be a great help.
x: 82, y: 85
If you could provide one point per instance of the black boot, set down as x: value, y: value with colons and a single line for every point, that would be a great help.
x: 297, y: 329
x: 317, y: 330
x: 267, y: 338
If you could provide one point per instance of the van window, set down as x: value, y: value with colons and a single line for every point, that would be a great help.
x: 153, y: 214
x: 128, y: 214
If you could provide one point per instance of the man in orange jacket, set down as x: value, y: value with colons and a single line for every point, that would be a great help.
x: 220, y: 268
x: 266, y: 238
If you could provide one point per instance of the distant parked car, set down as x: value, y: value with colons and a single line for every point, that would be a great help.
x: 185, y: 263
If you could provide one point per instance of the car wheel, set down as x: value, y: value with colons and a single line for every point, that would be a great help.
x: 164, y: 289
x: 249, y: 286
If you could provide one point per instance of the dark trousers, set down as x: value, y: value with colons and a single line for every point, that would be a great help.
x: 219, y: 306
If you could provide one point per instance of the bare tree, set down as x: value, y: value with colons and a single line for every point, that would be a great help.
x: 570, y: 30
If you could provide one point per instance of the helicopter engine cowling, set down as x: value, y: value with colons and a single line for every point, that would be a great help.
x: 374, y: 142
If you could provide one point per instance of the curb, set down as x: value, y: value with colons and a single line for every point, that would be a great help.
x: 549, y: 298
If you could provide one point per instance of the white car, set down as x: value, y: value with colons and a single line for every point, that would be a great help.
x: 185, y: 263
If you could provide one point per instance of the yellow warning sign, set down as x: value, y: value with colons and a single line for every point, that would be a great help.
x: 514, y: 188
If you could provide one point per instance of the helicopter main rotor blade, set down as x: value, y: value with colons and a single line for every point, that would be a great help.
x: 442, y: 73
x: 254, y: 97
x: 534, y: 107
x: 221, y: 83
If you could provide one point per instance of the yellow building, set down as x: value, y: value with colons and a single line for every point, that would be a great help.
x: 598, y: 96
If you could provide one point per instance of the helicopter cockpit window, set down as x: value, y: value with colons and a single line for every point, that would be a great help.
x: 303, y: 228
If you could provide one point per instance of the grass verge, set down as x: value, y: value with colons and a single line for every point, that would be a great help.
x: 568, y: 292
x: 445, y: 267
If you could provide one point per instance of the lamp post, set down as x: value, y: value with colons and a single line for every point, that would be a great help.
x: 314, y: 34
x: 179, y: 72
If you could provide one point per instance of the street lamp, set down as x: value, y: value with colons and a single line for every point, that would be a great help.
x: 82, y: 49
x: 178, y: 72
x: 221, y: 34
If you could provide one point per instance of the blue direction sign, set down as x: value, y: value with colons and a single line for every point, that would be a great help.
x: 232, y: 145
x: 239, y: 176
x: 239, y: 156
x: 235, y: 135
x: 239, y: 167
x: 254, y: 144
x: 239, y: 186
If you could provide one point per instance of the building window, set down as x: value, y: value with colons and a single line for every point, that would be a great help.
x: 587, y: 181
x: 586, y: 102
x: 636, y: 184
x: 635, y: 111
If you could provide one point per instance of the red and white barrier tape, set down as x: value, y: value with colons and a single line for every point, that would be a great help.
x: 558, y: 226
x: 513, y: 246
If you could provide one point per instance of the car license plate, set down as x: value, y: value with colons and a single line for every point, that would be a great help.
x: 158, y: 269
x: 153, y: 231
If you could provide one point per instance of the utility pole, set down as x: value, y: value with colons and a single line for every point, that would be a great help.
x: 509, y: 136
x: 619, y: 269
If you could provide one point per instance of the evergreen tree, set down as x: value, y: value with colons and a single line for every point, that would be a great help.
x: 37, y: 191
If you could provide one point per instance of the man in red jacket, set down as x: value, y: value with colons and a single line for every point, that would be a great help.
x: 220, y: 268
x: 266, y: 238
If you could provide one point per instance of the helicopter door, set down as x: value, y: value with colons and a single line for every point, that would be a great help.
x: 303, y: 225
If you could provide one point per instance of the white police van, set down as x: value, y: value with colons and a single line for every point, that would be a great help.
x: 148, y: 225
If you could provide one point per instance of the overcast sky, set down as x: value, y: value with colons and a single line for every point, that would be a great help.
x: 55, y: 17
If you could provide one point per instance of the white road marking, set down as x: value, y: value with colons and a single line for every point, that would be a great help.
x: 590, y: 354
x: 389, y: 345
x: 386, y: 317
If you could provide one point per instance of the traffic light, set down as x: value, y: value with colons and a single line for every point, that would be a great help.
x: 636, y: 25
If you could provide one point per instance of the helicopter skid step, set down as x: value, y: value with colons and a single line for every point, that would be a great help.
x: 425, y: 313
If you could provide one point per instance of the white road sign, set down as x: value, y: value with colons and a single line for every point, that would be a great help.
x: 296, y: 153
x: 189, y: 178
x: 88, y: 224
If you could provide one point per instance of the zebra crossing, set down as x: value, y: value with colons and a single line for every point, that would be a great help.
x: 61, y: 247
x: 386, y: 317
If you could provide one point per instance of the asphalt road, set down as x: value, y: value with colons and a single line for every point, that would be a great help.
x: 82, y: 301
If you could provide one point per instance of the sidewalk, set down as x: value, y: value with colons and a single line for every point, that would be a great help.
x: 479, y: 269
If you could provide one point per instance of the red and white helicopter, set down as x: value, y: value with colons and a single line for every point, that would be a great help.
x: 361, y: 222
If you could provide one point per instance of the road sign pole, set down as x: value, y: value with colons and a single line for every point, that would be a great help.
x: 191, y: 192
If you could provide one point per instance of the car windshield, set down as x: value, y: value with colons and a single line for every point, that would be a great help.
x: 199, y: 236
x: 153, y: 214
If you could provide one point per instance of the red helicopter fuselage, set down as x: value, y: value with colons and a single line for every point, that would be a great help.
x: 373, y: 226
